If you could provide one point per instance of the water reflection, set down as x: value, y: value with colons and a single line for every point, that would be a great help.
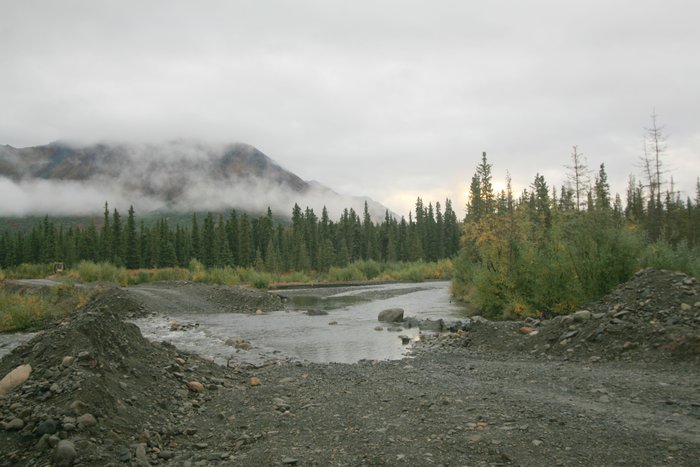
x: 347, y: 334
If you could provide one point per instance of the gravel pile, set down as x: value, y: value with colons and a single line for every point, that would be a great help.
x: 654, y: 317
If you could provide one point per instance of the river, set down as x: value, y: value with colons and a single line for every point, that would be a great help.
x: 347, y: 334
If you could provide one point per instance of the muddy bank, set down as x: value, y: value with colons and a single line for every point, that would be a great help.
x: 100, y: 394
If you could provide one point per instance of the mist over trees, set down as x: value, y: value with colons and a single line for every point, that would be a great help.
x: 310, y: 242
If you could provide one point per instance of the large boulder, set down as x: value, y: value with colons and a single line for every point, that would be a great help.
x: 392, y: 315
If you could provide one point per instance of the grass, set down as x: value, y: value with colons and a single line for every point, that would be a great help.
x: 370, y: 270
x: 29, y: 310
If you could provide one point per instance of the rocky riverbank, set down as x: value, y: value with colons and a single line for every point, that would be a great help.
x: 101, y: 394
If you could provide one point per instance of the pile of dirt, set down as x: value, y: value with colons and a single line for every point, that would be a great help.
x: 97, y: 390
x: 653, y: 317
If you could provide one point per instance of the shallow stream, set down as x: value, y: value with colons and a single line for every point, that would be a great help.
x: 345, y: 334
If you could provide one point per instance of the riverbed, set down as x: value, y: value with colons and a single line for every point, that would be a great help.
x: 316, y: 325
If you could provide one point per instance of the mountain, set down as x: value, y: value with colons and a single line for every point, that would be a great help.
x: 63, y: 178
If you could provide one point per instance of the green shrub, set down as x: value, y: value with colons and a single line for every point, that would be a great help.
x: 260, y: 280
x: 346, y: 274
x: 222, y: 276
x: 370, y: 268
x: 172, y: 274
x: 29, y: 271
x: 89, y: 271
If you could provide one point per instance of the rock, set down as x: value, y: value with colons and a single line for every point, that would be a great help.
x: 166, y: 454
x: 141, y: 454
x: 582, y: 315
x: 391, y: 315
x: 79, y: 407
x: 289, y: 460
x: 47, y: 427
x: 411, y: 322
x: 394, y: 329
x: 242, y: 344
x: 430, y: 325
x: 378, y: 328
x: 14, y: 424
x: 65, y: 453
x: 316, y: 312
x: 195, y: 386
x: 87, y: 420
x: 526, y: 330
x: 67, y: 361
x: 280, y: 404
x: 332, y: 323
x: 255, y: 381
x: 537, y: 442
x: 686, y: 307
x: 123, y: 454
x: 405, y: 340
x: 15, y: 378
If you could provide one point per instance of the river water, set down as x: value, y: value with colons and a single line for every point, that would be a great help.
x: 346, y: 334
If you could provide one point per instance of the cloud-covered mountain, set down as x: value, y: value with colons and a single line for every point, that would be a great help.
x: 69, y: 179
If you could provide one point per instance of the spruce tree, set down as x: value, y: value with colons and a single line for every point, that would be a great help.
x: 132, y: 247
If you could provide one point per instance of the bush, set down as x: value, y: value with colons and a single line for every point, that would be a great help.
x: 661, y: 255
x: 171, y: 274
x: 370, y: 269
x: 222, y: 276
x: 29, y: 271
x: 260, y: 280
x: 347, y: 274
x: 89, y: 271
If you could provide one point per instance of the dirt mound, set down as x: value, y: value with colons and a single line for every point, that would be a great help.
x: 654, y: 316
x: 184, y: 296
x: 96, y: 383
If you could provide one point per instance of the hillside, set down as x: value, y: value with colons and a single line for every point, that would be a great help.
x: 180, y: 176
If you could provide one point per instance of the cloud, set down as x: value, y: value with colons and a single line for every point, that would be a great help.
x: 363, y: 96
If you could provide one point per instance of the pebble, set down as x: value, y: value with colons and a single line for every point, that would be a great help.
x: 14, y: 424
x: 87, y: 420
x: 289, y: 460
x: 195, y: 386
x: 67, y: 361
x: 141, y: 453
x: 65, y: 453
x: 255, y: 381
x: 78, y: 407
x: 48, y: 426
x: 123, y: 454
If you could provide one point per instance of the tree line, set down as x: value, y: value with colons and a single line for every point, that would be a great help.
x: 308, y: 242
x: 549, y: 250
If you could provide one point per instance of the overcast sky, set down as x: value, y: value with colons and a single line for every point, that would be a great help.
x: 389, y: 99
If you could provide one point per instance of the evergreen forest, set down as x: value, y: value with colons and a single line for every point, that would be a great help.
x: 309, y: 243
x: 548, y: 251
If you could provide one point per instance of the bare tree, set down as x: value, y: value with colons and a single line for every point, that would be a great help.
x: 579, y: 176
x: 652, y: 165
x: 654, y: 151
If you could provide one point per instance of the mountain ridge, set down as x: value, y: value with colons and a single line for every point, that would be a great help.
x: 179, y: 175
